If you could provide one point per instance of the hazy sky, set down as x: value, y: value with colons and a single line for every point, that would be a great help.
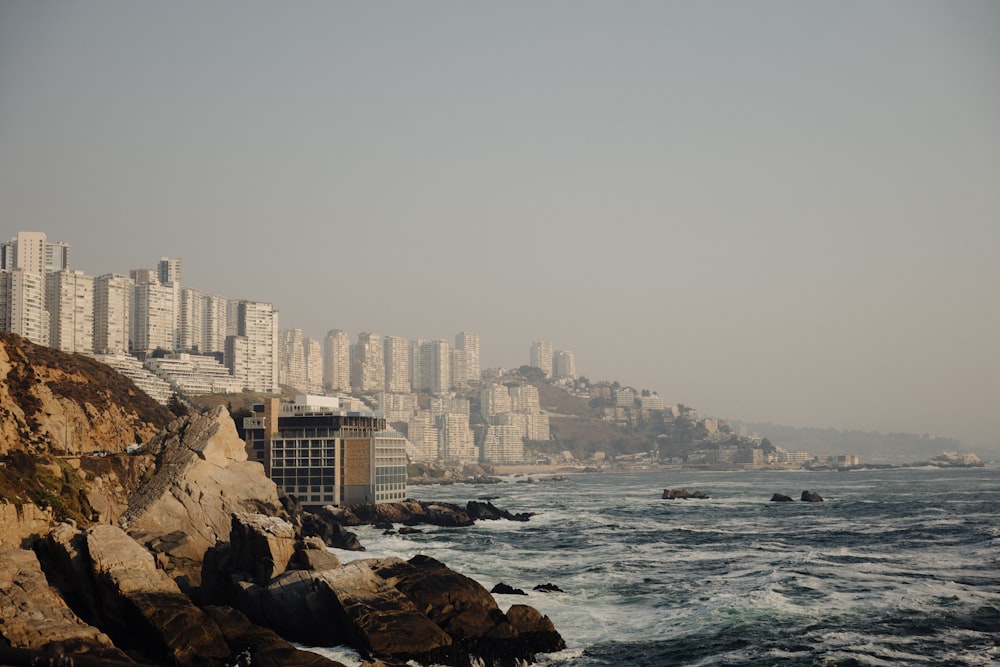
x: 770, y: 211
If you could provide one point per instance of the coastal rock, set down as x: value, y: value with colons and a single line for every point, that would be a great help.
x: 202, y: 477
x: 811, y: 497
x: 326, y: 524
x: 504, y: 589
x: 779, y: 498
x: 262, y: 545
x: 548, y: 588
x: 683, y: 494
x: 469, y: 613
x: 487, y: 511
x: 311, y: 554
x: 259, y: 646
x: 381, y: 620
x: 22, y: 524
x: 34, y: 616
x: 143, y: 608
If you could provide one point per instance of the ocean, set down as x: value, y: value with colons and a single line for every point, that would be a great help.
x: 895, y: 567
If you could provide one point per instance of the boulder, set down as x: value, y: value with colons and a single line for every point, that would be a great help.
x: 548, y: 588
x: 505, y: 589
x: 468, y: 612
x: 202, y: 477
x: 259, y: 646
x: 142, y: 607
x: 779, y: 498
x: 535, y: 631
x: 380, y: 619
x: 34, y: 616
x: 326, y: 525
x: 683, y: 494
x: 312, y: 554
x: 262, y: 546
x: 487, y: 511
x: 811, y: 497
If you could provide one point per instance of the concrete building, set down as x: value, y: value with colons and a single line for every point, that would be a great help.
x: 456, y: 442
x: 214, y: 323
x: 541, y: 357
x: 368, y: 363
x: 292, y: 369
x: 337, y: 361
x: 468, y: 346
x: 323, y: 455
x: 190, y: 334
x: 314, y: 365
x: 22, y: 305
x: 502, y: 444
x: 254, y: 358
x: 564, y: 364
x: 397, y: 407
x: 192, y: 374
x: 112, y: 316
x: 69, y: 298
x: 494, y: 399
x: 430, y: 361
x: 423, y: 434
x: 397, y: 364
x: 152, y: 318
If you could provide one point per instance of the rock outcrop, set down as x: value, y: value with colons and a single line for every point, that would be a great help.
x: 202, y: 477
x: 22, y: 525
x: 811, y: 497
x: 780, y: 498
x: 683, y: 494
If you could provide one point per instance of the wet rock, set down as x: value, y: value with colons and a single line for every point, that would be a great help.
x: 504, y: 589
x: 779, y: 498
x: 811, y: 497
x: 487, y: 511
x: 683, y: 494
x: 548, y: 588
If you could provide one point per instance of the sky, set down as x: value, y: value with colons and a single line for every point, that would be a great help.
x: 769, y: 211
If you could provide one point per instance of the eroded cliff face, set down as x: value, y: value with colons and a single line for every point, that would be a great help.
x: 64, y: 404
x: 202, y: 476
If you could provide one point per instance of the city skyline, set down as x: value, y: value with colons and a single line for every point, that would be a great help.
x: 773, y: 212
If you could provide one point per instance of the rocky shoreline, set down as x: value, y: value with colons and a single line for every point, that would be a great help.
x: 208, y: 567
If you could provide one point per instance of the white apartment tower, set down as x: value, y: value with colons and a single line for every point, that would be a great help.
x: 423, y: 435
x: 112, y: 306
x: 503, y: 444
x: 541, y: 357
x: 494, y: 399
x: 337, y: 361
x: 293, y: 359
x: 468, y: 345
x: 430, y: 361
x: 22, y: 305
x: 368, y: 363
x: 190, y: 335
x: 69, y: 298
x: 456, y: 441
x: 214, y: 323
x: 397, y: 364
x: 564, y: 364
x: 314, y: 365
x: 252, y: 355
x: 152, y: 317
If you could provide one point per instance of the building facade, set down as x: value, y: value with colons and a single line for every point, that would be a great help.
x: 323, y: 455
x: 112, y: 306
x: 541, y: 357
x: 337, y: 361
x: 69, y: 298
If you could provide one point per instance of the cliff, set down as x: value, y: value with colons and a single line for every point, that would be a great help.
x: 181, y: 553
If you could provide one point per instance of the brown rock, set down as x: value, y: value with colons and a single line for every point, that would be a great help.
x: 145, y: 607
x: 262, y: 646
x: 262, y: 546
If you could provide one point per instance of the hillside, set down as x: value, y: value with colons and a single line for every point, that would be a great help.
x: 56, y: 409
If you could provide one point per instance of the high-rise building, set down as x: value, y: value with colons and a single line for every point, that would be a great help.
x: 214, y: 324
x: 430, y: 361
x: 337, y: 361
x: 456, y: 442
x: 423, y: 436
x: 314, y: 365
x: 541, y: 357
x: 168, y: 271
x: 564, y: 365
x: 254, y: 359
x: 292, y: 371
x: 503, y: 444
x: 22, y: 305
x: 112, y: 306
x: 368, y: 363
x: 69, y: 298
x: 397, y: 364
x: 468, y: 344
x: 152, y: 317
x: 190, y: 335
x: 322, y: 454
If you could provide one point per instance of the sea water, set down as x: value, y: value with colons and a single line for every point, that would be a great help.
x: 895, y: 567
